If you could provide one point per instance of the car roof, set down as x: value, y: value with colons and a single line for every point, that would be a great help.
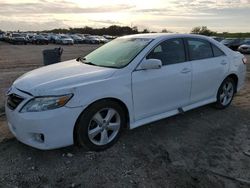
x: 165, y: 35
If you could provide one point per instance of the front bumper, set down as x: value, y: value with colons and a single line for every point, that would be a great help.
x: 43, y: 130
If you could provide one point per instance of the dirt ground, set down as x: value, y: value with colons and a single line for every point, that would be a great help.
x: 204, y: 147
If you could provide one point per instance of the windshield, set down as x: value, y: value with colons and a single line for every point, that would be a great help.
x: 117, y: 53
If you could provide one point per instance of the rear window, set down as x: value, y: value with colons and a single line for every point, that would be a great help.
x: 199, y: 49
x: 217, y: 51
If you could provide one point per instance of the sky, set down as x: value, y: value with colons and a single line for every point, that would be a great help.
x: 174, y: 15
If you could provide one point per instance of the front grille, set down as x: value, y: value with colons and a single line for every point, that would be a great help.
x: 13, y: 101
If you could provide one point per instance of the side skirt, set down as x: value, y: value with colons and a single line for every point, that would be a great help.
x: 169, y: 113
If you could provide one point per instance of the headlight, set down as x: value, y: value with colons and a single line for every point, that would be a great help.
x: 46, y: 103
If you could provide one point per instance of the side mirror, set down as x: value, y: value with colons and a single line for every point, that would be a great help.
x: 150, y: 64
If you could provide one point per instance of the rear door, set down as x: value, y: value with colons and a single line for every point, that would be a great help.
x: 209, y: 65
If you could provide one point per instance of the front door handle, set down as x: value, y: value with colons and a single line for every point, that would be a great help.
x: 186, y: 70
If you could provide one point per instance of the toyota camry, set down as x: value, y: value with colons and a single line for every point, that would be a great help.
x: 128, y: 82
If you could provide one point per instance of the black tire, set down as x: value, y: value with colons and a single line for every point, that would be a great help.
x: 219, y: 104
x: 83, y: 124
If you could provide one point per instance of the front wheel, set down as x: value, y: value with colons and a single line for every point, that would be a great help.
x: 225, y: 93
x: 100, y: 125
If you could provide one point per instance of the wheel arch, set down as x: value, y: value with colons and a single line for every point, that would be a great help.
x: 235, y: 78
x: 120, y: 102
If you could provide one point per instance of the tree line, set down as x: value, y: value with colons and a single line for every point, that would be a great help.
x: 203, y: 30
x: 112, y: 30
x: 116, y: 30
x: 126, y: 30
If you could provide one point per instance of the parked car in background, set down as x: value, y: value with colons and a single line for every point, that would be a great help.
x: 77, y: 39
x: 6, y: 37
x: 102, y: 39
x: 39, y: 39
x: 153, y: 76
x: 17, y: 38
x: 54, y: 38
x: 232, y: 43
x: 26, y: 36
x: 109, y: 37
x: 46, y: 35
x: 29, y: 37
x: 91, y: 39
x: 245, y: 47
x: 64, y: 39
x: 1, y: 36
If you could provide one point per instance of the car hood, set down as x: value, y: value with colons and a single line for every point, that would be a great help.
x: 55, y: 79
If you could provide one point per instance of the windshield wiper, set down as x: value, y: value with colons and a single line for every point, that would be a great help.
x: 81, y: 59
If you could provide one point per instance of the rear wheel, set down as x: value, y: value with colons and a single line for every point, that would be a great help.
x: 100, y: 125
x: 225, y: 93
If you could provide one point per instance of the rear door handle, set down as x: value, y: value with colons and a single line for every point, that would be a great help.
x: 186, y: 70
x: 223, y: 62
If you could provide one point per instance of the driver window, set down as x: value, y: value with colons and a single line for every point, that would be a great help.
x: 169, y: 52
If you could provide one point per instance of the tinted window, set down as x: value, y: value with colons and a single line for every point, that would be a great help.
x: 199, y: 49
x: 169, y: 52
x: 217, y: 51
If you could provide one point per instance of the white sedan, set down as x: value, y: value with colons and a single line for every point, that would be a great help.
x: 131, y: 81
x: 64, y: 39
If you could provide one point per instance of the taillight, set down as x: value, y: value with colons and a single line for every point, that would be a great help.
x: 244, y: 60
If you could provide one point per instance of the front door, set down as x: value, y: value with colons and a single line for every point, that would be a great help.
x: 157, y: 91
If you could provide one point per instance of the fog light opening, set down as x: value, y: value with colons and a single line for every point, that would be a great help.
x: 39, y: 137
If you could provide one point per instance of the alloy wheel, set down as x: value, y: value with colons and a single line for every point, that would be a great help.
x: 227, y: 93
x: 104, y: 126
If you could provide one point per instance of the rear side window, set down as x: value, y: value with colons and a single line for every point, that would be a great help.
x: 217, y: 51
x: 199, y: 49
x: 169, y: 52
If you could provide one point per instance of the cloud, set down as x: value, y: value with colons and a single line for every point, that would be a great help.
x: 57, y: 7
x: 153, y: 10
x: 110, y: 22
x: 217, y: 4
x: 155, y: 15
x: 13, y: 25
